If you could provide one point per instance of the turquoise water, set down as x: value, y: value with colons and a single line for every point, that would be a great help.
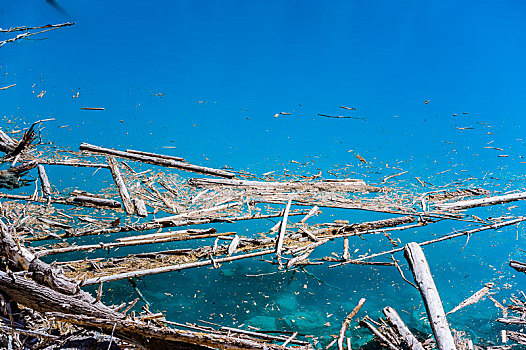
x: 208, y: 77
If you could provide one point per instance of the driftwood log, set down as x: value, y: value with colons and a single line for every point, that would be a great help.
x: 347, y: 322
x: 426, y: 285
x: 482, y: 202
x: 170, y: 163
x: 347, y: 185
x: 121, y: 186
x: 406, y: 335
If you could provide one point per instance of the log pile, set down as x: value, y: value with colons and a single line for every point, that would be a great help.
x: 150, y: 202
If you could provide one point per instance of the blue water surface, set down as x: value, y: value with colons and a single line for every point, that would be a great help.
x: 207, y: 80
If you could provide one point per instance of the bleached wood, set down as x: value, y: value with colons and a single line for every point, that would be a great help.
x: 426, y: 285
x: 44, y: 180
x: 481, y: 202
x: 396, y: 322
x: 121, y: 186
x: 171, y: 268
x: 156, y: 161
x: 282, y: 231
x: 347, y: 322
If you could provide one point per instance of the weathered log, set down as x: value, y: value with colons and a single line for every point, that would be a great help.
x: 312, y: 212
x: 39, y: 271
x: 517, y: 321
x: 74, y: 164
x: 152, y: 225
x: 140, y: 207
x: 28, y: 137
x: 102, y: 202
x: 53, y: 223
x: 298, y: 259
x: 44, y: 299
x: 473, y: 299
x: 347, y: 185
x: 426, y: 285
x: 379, y: 335
x: 158, y: 338
x: 155, y: 155
x: 345, y: 255
x: 154, y: 240
x: 444, y: 238
x: 7, y: 144
x: 365, y: 226
x: 121, y: 186
x: 171, y: 268
x: 347, y: 322
x: 167, y: 234
x: 517, y: 265
x: 156, y: 161
x: 517, y: 337
x: 44, y: 180
x: 233, y: 245
x: 396, y: 322
x: 481, y: 202
x: 282, y: 231
x: 198, y: 212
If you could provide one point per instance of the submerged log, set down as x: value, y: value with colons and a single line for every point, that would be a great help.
x: 347, y: 322
x: 171, y: 268
x: 396, y: 322
x: 156, y: 161
x: 426, y: 285
x: 473, y: 299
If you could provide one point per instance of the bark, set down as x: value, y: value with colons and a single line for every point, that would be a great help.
x: 171, y: 268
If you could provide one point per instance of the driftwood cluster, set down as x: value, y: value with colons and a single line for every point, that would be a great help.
x: 44, y: 305
x: 39, y: 299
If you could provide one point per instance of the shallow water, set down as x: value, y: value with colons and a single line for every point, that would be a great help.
x: 208, y: 77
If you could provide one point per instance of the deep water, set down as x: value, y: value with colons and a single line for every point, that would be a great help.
x: 205, y: 80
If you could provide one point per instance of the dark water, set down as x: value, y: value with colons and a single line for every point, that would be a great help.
x: 208, y: 77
